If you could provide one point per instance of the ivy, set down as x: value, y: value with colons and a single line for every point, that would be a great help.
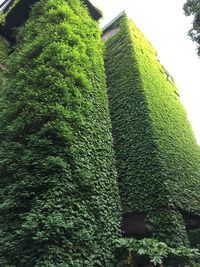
x: 134, y: 253
x: 58, y: 191
x: 4, y: 49
x: 157, y: 155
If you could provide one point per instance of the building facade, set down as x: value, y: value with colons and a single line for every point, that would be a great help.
x: 62, y: 189
x: 58, y: 188
x: 157, y: 155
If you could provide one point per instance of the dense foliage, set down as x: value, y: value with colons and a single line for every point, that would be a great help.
x: 3, y: 50
x: 58, y: 192
x: 150, y: 252
x: 158, y: 160
x: 192, y: 7
x: 3, y: 57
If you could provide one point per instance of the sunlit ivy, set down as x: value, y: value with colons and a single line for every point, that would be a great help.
x: 58, y: 192
x: 158, y: 159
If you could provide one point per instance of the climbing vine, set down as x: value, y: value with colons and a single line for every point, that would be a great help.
x: 158, y: 160
x: 58, y: 192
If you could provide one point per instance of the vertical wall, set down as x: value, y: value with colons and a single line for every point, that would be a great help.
x: 3, y: 55
x: 3, y: 51
x: 58, y: 192
x: 157, y: 155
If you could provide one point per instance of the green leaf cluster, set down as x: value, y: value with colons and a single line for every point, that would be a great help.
x: 4, y: 49
x: 132, y: 252
x: 158, y: 159
x: 192, y: 8
x: 58, y: 192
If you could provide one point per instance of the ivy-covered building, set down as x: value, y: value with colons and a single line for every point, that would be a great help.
x: 59, y: 202
x: 158, y: 159
x: 61, y: 197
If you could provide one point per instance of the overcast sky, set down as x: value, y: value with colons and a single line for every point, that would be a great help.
x: 163, y: 22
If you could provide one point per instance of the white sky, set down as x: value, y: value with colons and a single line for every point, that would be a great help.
x: 163, y: 22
